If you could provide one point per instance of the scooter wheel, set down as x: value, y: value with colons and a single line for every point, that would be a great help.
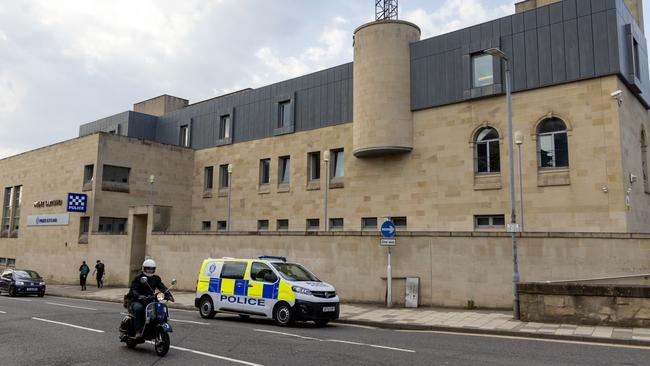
x: 162, y: 343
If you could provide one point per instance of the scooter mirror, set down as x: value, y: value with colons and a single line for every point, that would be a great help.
x: 143, y: 280
x: 174, y: 282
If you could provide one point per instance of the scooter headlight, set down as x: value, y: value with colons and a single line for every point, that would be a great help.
x: 301, y: 290
x: 160, y: 296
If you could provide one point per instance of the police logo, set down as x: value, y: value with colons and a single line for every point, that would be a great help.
x: 212, y: 268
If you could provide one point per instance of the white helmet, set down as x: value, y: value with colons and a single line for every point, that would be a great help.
x: 149, y: 267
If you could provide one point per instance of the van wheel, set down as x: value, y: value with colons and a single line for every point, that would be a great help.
x: 206, y: 308
x: 283, y: 314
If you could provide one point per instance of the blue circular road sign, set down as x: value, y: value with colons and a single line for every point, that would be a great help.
x: 388, y: 229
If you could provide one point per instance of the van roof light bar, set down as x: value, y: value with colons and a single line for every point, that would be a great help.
x: 273, y: 257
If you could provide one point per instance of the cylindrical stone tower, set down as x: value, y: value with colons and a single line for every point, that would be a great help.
x: 382, y: 117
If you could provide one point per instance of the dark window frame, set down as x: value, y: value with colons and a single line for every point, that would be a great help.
x: 284, y: 169
x: 280, y: 125
x: 312, y: 224
x: 489, y: 145
x: 224, y: 179
x: 265, y: 172
x: 280, y: 224
x: 365, y: 223
x: 208, y: 178
x: 491, y: 220
x: 553, y: 137
x: 312, y: 157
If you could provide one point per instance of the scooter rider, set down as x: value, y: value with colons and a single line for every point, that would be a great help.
x: 143, y: 293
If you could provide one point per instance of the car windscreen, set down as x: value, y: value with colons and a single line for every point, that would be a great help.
x: 294, y: 272
x: 26, y: 274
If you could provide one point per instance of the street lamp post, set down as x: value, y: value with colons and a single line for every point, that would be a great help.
x: 513, y: 215
x: 326, y: 160
x: 228, y: 226
x: 519, y: 139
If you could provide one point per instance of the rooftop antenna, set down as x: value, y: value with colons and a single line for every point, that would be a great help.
x: 385, y: 10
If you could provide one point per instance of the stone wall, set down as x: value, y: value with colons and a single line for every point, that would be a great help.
x: 616, y: 305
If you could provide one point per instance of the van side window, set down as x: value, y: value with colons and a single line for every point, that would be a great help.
x: 233, y: 270
x: 260, y: 270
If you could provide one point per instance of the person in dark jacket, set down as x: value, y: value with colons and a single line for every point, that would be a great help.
x: 83, y: 273
x: 99, y: 271
x: 142, y: 293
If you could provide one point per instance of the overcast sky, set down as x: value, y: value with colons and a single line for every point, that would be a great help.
x: 65, y: 63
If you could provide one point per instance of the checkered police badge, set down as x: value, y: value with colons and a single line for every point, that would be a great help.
x: 77, y: 202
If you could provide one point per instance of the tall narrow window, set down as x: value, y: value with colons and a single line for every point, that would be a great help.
x: 6, y: 211
x: 482, y: 70
x: 184, y: 136
x: 88, y: 177
x: 284, y: 169
x: 313, y: 165
x: 18, y: 199
x: 224, y: 182
x: 637, y: 60
x: 284, y: 114
x: 84, y: 227
x: 224, y: 127
x: 207, y: 178
x: 265, y: 171
x: 337, y: 163
x: 487, y: 151
x: 552, y: 145
x: 644, y: 161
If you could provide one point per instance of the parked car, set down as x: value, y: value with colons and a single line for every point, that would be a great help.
x: 22, y: 281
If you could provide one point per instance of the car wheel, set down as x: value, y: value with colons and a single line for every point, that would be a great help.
x: 321, y: 322
x: 206, y: 308
x: 12, y: 291
x: 283, y: 314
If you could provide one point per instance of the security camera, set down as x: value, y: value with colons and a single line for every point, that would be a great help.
x: 616, y: 94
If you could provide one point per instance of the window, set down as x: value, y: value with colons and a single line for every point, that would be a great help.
x: 206, y: 225
x: 368, y: 223
x: 3, y: 262
x: 284, y: 169
x: 313, y: 224
x: 184, y: 136
x: 489, y: 221
x: 84, y: 227
x: 88, y: 175
x: 207, y: 178
x: 222, y: 225
x: 112, y: 225
x: 265, y: 171
x: 224, y: 127
x: 116, y: 174
x: 552, y: 148
x: 284, y: 114
x: 482, y: 70
x: 11, y: 262
x: 637, y: 60
x: 282, y: 224
x: 260, y: 271
x: 18, y: 199
x: 6, y: 211
x: 336, y: 224
x: 313, y: 165
x: 399, y: 221
x: 337, y: 163
x: 262, y: 225
x: 487, y: 151
x: 644, y: 161
x: 224, y: 180
x: 233, y: 270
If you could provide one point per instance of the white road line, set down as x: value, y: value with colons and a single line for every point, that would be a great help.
x: 529, y: 339
x: 3, y: 312
x: 335, y: 341
x: 212, y: 355
x: 70, y: 306
x: 15, y: 299
x: 189, y: 321
x: 69, y: 325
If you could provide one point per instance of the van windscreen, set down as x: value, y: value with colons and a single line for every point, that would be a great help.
x: 294, y: 272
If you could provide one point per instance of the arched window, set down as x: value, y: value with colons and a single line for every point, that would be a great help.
x: 487, y: 151
x: 644, y: 160
x: 552, y: 146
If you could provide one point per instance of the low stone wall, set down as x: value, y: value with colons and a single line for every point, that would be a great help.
x: 589, y: 304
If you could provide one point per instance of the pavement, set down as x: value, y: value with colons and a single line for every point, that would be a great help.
x: 433, y: 319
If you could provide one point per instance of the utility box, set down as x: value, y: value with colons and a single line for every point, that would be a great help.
x: 412, y: 291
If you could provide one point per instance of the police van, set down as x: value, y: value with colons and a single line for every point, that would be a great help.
x: 268, y: 286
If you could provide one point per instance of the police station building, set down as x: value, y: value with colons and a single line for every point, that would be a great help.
x: 414, y: 130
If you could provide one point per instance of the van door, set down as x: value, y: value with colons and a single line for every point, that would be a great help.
x: 263, y: 288
x: 233, y: 286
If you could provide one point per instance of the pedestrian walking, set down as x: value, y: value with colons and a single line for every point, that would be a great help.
x: 83, y: 273
x: 99, y: 272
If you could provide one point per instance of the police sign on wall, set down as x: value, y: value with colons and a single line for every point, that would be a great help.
x: 77, y: 202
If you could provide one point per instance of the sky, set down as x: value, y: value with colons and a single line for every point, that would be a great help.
x: 68, y: 62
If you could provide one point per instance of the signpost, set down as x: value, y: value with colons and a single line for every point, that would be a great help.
x: 388, y: 232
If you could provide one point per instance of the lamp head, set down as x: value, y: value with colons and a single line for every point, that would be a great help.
x: 326, y: 156
x: 229, y: 168
x: 519, y: 138
x: 496, y: 52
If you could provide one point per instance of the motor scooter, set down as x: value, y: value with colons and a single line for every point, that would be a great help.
x: 156, y: 329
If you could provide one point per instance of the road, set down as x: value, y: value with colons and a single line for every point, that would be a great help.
x: 62, y: 331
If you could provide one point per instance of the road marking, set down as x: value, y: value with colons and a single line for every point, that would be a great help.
x: 335, y: 341
x: 69, y: 325
x: 70, y: 306
x: 3, y: 312
x: 529, y: 339
x: 212, y: 355
x: 189, y: 321
x: 15, y: 299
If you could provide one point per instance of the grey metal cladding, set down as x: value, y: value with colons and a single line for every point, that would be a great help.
x: 142, y: 125
x: 118, y: 123
x: 554, y: 44
x: 320, y: 99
